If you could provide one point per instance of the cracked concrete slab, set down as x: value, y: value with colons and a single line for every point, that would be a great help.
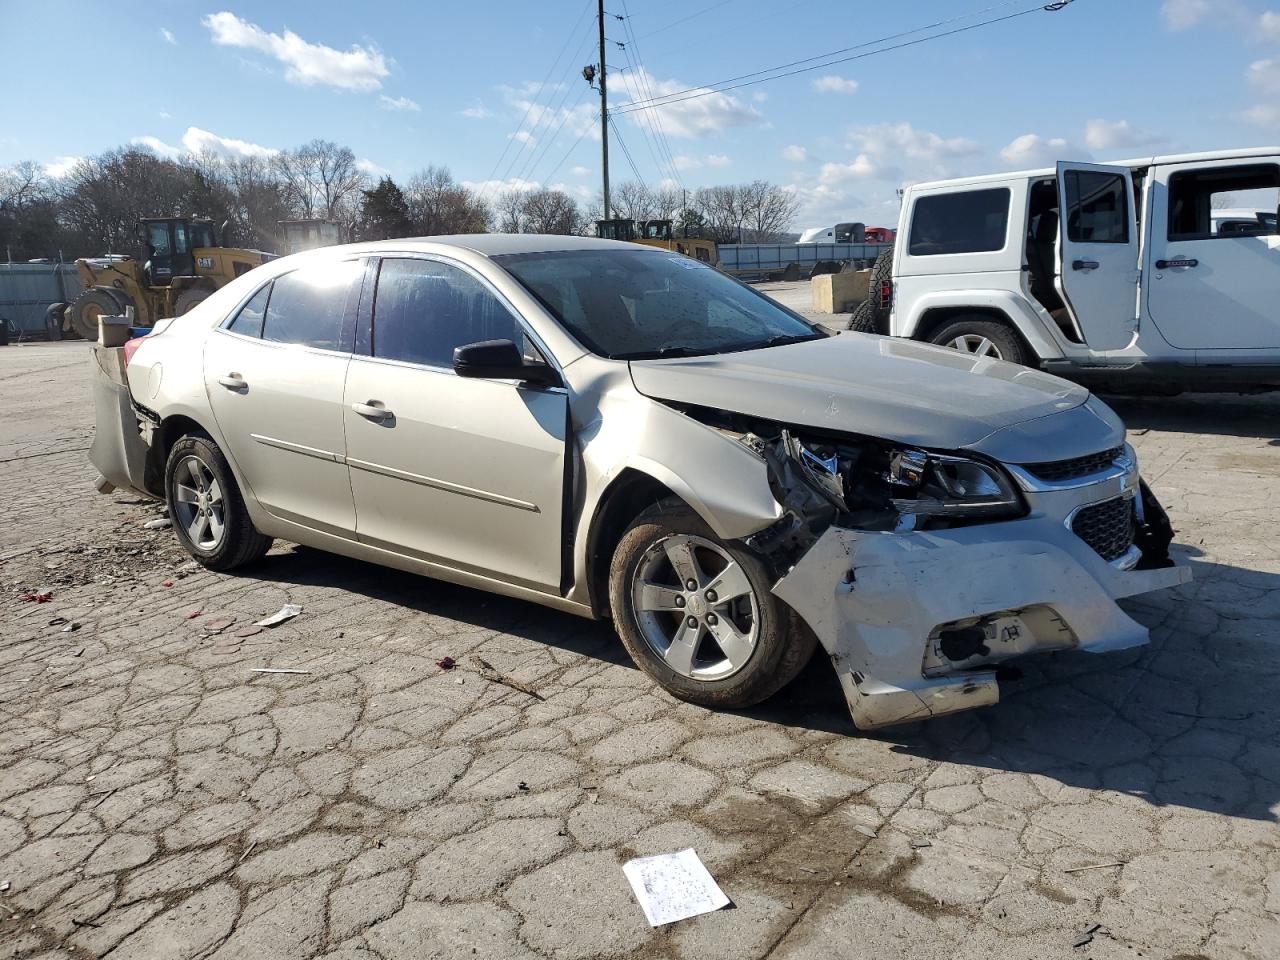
x: 159, y: 801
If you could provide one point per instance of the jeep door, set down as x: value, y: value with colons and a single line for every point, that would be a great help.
x: 274, y: 373
x: 1098, y: 252
x: 465, y: 472
x: 1212, y: 289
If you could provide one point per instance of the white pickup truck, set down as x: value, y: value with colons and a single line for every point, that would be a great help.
x: 1126, y: 277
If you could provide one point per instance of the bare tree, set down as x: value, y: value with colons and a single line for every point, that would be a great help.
x: 509, y: 212
x: 631, y: 201
x: 20, y: 185
x: 440, y: 205
x: 322, y: 180
x: 722, y: 213
x: 550, y: 211
x: 767, y: 210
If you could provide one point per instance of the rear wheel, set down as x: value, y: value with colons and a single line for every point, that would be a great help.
x: 188, y: 299
x: 695, y: 612
x: 206, y: 508
x: 983, y: 337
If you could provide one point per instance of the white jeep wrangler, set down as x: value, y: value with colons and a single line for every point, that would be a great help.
x: 1062, y: 269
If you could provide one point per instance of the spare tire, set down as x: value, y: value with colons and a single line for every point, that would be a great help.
x: 874, y: 309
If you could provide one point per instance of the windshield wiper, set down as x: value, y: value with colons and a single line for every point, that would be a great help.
x: 782, y: 341
x: 663, y: 352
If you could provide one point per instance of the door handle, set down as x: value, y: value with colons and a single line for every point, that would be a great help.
x: 373, y: 410
x: 1166, y: 264
x: 1085, y: 264
x: 233, y: 381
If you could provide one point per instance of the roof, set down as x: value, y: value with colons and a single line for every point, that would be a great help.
x: 485, y: 244
x: 1245, y: 153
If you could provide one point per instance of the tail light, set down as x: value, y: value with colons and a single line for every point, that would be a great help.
x: 130, y: 348
x: 886, y: 295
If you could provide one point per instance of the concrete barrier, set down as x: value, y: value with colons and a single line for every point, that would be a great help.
x: 839, y: 292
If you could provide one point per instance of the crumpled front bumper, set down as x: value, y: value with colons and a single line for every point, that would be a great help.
x: 878, y: 601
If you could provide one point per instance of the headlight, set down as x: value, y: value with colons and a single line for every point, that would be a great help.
x: 938, y: 485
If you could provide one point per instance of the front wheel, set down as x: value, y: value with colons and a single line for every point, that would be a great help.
x: 206, y: 508
x: 984, y: 338
x: 695, y: 612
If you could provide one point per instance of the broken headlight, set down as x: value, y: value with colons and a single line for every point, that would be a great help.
x: 940, y: 485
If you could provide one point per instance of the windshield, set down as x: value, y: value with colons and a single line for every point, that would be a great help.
x: 635, y: 305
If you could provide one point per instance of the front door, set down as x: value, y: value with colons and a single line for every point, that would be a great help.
x: 1214, y: 278
x: 275, y: 375
x: 1098, y: 252
x: 464, y: 472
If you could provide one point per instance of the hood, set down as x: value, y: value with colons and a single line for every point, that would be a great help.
x: 896, y: 390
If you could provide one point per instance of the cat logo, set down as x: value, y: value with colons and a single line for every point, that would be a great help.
x: 204, y: 263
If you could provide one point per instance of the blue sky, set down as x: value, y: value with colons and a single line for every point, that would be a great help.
x: 409, y: 84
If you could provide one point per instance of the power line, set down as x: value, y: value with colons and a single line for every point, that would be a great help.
x: 625, y: 152
x: 675, y: 23
x: 722, y: 86
x: 569, y: 152
x: 654, y: 117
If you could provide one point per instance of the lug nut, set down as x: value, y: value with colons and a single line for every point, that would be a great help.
x: 712, y: 619
x: 711, y: 596
x: 692, y: 622
x: 691, y: 584
x: 679, y: 601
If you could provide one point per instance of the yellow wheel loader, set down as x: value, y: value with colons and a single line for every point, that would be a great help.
x: 657, y: 233
x: 181, y: 264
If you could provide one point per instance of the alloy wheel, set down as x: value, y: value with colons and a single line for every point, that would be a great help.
x: 695, y: 607
x: 198, y: 503
x: 977, y: 345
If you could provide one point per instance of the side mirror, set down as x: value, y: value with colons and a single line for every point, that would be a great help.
x: 501, y: 360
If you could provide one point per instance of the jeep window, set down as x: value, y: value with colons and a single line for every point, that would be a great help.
x: 975, y: 221
x: 1195, y: 194
x: 1097, y: 207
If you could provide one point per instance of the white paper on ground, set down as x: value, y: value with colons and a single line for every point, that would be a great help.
x: 673, y: 886
x: 287, y: 612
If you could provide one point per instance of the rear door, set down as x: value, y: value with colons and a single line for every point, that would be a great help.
x: 1098, y: 252
x: 1210, y: 288
x: 464, y: 472
x: 275, y: 375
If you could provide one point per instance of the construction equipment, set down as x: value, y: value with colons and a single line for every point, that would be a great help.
x: 181, y: 263
x: 658, y: 233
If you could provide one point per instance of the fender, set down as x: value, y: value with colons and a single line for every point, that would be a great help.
x: 1021, y: 314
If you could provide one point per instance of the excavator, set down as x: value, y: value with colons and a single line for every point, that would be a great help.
x: 181, y: 263
x: 657, y: 233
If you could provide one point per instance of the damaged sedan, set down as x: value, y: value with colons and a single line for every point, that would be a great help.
x: 624, y: 432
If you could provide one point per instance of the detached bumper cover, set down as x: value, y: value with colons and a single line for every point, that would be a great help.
x: 875, y: 600
x: 118, y: 450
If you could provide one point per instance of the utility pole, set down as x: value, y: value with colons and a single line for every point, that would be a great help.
x: 604, y: 115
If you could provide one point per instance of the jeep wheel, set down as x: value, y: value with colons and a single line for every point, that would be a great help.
x: 983, y: 338
x: 696, y: 612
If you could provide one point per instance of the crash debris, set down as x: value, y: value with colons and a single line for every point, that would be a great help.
x: 283, y: 615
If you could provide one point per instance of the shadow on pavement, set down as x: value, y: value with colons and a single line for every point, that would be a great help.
x: 1222, y: 414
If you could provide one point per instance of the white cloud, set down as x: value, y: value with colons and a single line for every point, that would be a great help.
x: 1265, y: 75
x: 307, y: 64
x: 61, y: 166
x: 718, y: 160
x: 899, y: 150
x: 579, y: 171
x: 760, y: 96
x: 687, y: 162
x: 833, y: 84
x: 1032, y: 150
x: 1264, y: 115
x: 165, y: 115
x: 168, y: 36
x: 522, y: 136
x: 397, y: 103
x: 477, y: 112
x: 795, y: 154
x: 1117, y: 135
x: 494, y: 187
x: 687, y: 118
x: 580, y: 120
x: 1269, y: 25
x: 365, y: 165
x: 862, y: 167
x: 196, y: 141
x: 1185, y: 14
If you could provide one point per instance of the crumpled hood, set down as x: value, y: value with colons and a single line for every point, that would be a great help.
x: 897, y: 390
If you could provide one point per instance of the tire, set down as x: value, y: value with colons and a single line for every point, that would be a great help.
x: 770, y: 644
x: 866, y: 318
x: 89, y: 306
x: 188, y: 299
x: 875, y: 317
x: 984, y: 337
x: 53, y: 316
x: 197, y: 468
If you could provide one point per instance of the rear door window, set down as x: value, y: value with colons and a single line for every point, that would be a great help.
x: 1224, y: 201
x: 248, y: 321
x: 310, y: 306
x: 972, y: 221
x: 1097, y: 207
x: 425, y: 308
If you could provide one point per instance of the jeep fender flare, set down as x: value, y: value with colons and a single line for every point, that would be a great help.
x: 1014, y: 308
